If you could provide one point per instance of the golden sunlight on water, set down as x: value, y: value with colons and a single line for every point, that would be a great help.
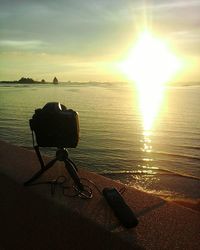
x: 150, y: 65
x: 150, y: 104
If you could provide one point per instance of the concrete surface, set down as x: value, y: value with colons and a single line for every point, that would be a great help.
x: 31, y: 218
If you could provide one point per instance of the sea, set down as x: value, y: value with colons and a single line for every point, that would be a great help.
x: 164, y: 161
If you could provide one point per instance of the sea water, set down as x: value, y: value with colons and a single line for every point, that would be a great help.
x: 164, y: 161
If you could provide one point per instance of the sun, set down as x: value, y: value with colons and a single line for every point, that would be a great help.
x: 150, y: 61
x: 150, y: 65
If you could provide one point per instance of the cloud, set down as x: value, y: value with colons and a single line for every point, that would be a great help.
x: 26, y: 44
x: 83, y: 27
x: 175, y: 4
x: 94, y: 29
x: 22, y: 45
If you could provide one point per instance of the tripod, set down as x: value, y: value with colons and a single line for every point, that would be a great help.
x: 61, y: 155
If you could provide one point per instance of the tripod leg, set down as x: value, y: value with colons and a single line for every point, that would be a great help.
x: 73, y: 173
x: 40, y: 172
x: 39, y: 156
x: 72, y: 163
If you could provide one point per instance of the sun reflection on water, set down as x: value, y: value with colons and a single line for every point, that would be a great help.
x: 150, y: 64
x: 146, y: 148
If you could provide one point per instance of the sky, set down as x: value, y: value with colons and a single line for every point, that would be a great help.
x: 83, y: 40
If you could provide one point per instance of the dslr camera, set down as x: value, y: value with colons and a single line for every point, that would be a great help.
x: 55, y: 126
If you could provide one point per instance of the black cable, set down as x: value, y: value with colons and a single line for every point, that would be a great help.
x: 61, y: 182
x: 92, y: 184
x: 121, y: 190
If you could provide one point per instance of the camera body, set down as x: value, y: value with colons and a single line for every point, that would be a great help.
x: 55, y: 126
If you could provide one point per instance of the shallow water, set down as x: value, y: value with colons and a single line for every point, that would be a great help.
x: 165, y: 161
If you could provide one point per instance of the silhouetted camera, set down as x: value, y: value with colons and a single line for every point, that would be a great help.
x: 55, y: 126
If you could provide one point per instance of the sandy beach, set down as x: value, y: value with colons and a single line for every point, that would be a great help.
x: 33, y: 219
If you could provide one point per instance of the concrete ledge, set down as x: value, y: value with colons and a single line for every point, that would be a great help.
x: 32, y: 219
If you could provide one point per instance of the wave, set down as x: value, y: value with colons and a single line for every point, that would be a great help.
x: 192, y: 147
x: 178, y: 155
x: 155, y: 172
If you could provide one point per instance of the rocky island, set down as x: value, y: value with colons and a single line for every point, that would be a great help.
x: 55, y: 80
x: 27, y: 80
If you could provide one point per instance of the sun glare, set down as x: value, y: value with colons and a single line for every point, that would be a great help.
x: 150, y: 64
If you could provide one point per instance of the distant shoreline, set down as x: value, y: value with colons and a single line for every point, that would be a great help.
x: 179, y: 84
x: 27, y: 80
x: 16, y: 82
